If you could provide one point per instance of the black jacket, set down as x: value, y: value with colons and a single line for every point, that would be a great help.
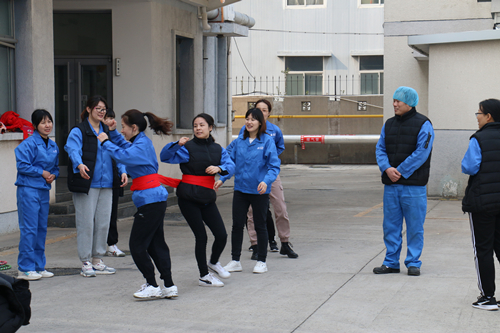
x: 15, y: 300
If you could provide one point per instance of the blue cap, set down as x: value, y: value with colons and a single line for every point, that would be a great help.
x: 406, y: 95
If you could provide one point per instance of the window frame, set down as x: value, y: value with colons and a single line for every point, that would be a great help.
x: 371, y: 5
x: 304, y: 6
x: 380, y: 73
x: 9, y: 42
x: 304, y: 73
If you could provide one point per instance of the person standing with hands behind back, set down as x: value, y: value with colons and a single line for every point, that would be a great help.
x: 482, y: 199
x: 404, y: 157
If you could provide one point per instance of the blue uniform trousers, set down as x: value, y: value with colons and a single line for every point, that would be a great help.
x: 33, y: 212
x: 408, y: 202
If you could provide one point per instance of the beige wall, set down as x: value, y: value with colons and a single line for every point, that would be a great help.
x: 411, y: 10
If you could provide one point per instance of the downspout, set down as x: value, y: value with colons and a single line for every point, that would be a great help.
x: 204, y: 19
x: 229, y: 126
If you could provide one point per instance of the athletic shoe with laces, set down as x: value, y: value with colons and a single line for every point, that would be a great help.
x: 273, y: 246
x: 169, y: 292
x: 486, y: 303
x: 233, y: 266
x: 210, y: 281
x: 45, y: 274
x: 147, y: 291
x: 87, y: 270
x: 260, y: 267
x: 30, y: 275
x: 100, y: 268
x: 217, y: 268
x: 114, y: 251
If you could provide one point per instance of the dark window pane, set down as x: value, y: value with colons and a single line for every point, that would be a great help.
x: 82, y: 34
x: 370, y: 63
x: 5, y: 83
x: 304, y: 64
x: 5, y: 18
x: 295, y: 2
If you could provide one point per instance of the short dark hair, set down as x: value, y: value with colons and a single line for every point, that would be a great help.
x: 110, y: 113
x: 208, y: 118
x: 265, y: 101
x: 491, y: 106
x: 91, y: 104
x: 256, y: 114
x: 38, y: 116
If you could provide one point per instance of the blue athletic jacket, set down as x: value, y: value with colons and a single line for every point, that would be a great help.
x: 32, y: 158
x: 255, y: 162
x: 140, y: 159
x: 275, y: 133
x: 103, y: 173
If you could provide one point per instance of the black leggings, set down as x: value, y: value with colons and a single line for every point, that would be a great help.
x: 260, y: 206
x: 148, y: 241
x: 195, y: 214
x: 113, y: 228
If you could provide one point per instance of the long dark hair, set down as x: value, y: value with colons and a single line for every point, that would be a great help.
x: 491, y: 106
x: 91, y: 104
x: 157, y: 124
x: 258, y: 115
x: 38, y: 115
x: 208, y: 118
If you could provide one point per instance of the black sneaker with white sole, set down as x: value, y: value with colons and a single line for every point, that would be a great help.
x: 486, y: 303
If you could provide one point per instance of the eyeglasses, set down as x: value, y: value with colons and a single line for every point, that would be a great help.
x: 100, y: 110
x: 478, y: 113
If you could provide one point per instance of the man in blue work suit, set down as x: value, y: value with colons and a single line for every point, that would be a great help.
x: 403, y: 156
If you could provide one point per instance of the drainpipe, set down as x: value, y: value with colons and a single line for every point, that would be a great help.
x: 204, y: 18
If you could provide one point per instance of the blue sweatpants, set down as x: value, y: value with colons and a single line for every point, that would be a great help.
x: 410, y: 203
x: 33, y: 212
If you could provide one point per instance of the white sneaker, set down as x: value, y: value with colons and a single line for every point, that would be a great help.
x: 45, y: 274
x: 148, y: 291
x: 210, y: 281
x: 114, y: 251
x: 233, y: 266
x: 31, y: 275
x: 169, y: 292
x: 217, y: 268
x: 260, y: 267
x: 100, y: 268
x: 87, y: 270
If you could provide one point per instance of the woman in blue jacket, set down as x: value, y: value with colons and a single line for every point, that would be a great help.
x: 37, y: 160
x: 257, y: 166
x: 200, y: 159
x: 147, y: 239
x: 90, y: 178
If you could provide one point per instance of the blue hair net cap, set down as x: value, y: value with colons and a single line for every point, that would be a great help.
x: 406, y: 95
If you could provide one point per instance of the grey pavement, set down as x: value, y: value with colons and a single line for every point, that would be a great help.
x: 336, y: 228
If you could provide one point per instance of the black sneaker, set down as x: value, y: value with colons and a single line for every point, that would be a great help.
x: 486, y: 303
x: 273, y: 246
x: 255, y: 256
x: 412, y: 270
x: 385, y: 270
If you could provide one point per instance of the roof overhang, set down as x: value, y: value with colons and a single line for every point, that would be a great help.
x: 362, y: 53
x: 304, y: 54
x: 210, y: 4
x: 228, y: 29
x: 421, y: 43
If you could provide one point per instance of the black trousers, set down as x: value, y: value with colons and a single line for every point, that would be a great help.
x: 260, y: 206
x: 113, y: 229
x: 271, y: 232
x: 485, y: 230
x: 148, y: 241
x: 197, y: 215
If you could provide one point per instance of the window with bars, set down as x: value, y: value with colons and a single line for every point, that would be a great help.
x: 7, y: 47
x: 371, y: 71
x: 304, y: 75
x: 305, y: 2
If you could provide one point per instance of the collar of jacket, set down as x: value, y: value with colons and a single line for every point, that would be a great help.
x: 407, y: 115
x: 206, y: 141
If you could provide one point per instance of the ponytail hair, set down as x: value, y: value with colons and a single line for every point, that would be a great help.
x: 157, y: 124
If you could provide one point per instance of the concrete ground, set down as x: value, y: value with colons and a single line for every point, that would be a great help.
x: 336, y: 228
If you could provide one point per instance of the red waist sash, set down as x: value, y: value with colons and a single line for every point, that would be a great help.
x: 154, y: 180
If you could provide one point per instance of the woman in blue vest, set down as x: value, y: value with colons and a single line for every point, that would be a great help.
x: 257, y: 165
x: 37, y: 160
x: 200, y: 159
x: 147, y: 239
x: 90, y: 178
x: 482, y: 199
